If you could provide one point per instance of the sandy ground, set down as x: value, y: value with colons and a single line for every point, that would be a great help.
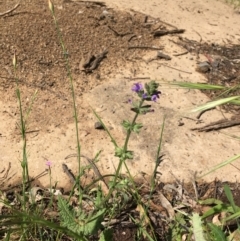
x: 185, y: 151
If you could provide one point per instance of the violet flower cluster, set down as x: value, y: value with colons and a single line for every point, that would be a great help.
x: 151, y: 92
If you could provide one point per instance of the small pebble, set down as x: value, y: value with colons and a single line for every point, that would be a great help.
x: 98, y: 126
x: 203, y: 67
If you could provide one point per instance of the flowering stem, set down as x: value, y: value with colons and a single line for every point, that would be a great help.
x: 132, y: 124
x: 69, y: 74
x: 123, y: 158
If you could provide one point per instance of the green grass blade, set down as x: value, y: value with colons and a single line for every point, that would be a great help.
x: 158, y: 160
x: 217, y: 209
x: 230, y: 199
x: 31, y: 105
x: 199, y: 86
x: 235, y: 102
x: 215, y: 103
x: 105, y: 128
x: 232, y: 217
x: 217, y: 232
x: 223, y: 164
x: 229, y: 196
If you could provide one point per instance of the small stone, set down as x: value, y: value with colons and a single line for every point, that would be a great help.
x: 203, y: 67
x: 98, y: 125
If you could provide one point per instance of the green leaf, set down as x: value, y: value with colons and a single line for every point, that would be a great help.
x: 151, y: 87
x: 197, y: 227
x: 92, y: 225
x: 106, y: 235
x: 126, y: 125
x: 217, y: 233
x: 210, y: 201
x: 217, y: 209
x: 232, y: 217
x: 230, y: 198
x: 67, y: 215
x: 128, y: 155
x: 119, y: 151
x: 137, y: 127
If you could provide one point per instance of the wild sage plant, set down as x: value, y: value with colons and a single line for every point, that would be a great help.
x: 148, y: 92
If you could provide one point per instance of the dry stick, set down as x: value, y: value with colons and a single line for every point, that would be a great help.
x: 102, y: 4
x: 119, y: 34
x: 133, y: 36
x: 94, y: 64
x: 186, y: 52
x: 136, y: 78
x: 203, y: 111
x: 6, y: 173
x: 221, y: 124
x: 93, y: 165
x: 146, y: 47
x: 160, y: 33
x: 11, y: 10
x: 175, y: 68
x: 199, y: 36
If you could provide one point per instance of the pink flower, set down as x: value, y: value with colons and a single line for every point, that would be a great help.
x: 48, y: 163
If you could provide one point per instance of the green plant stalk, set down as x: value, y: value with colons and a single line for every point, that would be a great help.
x: 69, y: 74
x: 138, y: 198
x: 157, y: 159
x: 24, y: 162
x: 123, y: 159
x: 51, y: 189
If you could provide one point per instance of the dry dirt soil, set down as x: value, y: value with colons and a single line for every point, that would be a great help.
x: 125, y: 30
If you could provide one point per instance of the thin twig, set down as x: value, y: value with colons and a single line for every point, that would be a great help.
x: 217, y: 125
x: 186, y: 52
x: 160, y: 33
x: 146, y: 47
x: 175, y: 69
x: 133, y: 36
x: 136, y: 78
x: 199, y: 36
x: 102, y: 4
x: 119, y: 34
x: 6, y: 173
x: 203, y: 111
x: 11, y: 10
x: 93, y: 165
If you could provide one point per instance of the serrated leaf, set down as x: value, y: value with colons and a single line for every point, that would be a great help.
x: 67, y: 216
x: 137, y: 127
x: 93, y: 224
x: 197, y: 227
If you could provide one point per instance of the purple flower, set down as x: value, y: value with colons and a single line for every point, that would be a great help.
x: 155, y: 96
x: 137, y: 87
x: 145, y: 95
x: 48, y: 163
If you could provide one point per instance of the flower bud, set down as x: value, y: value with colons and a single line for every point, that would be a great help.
x: 51, y: 7
x: 14, y: 60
